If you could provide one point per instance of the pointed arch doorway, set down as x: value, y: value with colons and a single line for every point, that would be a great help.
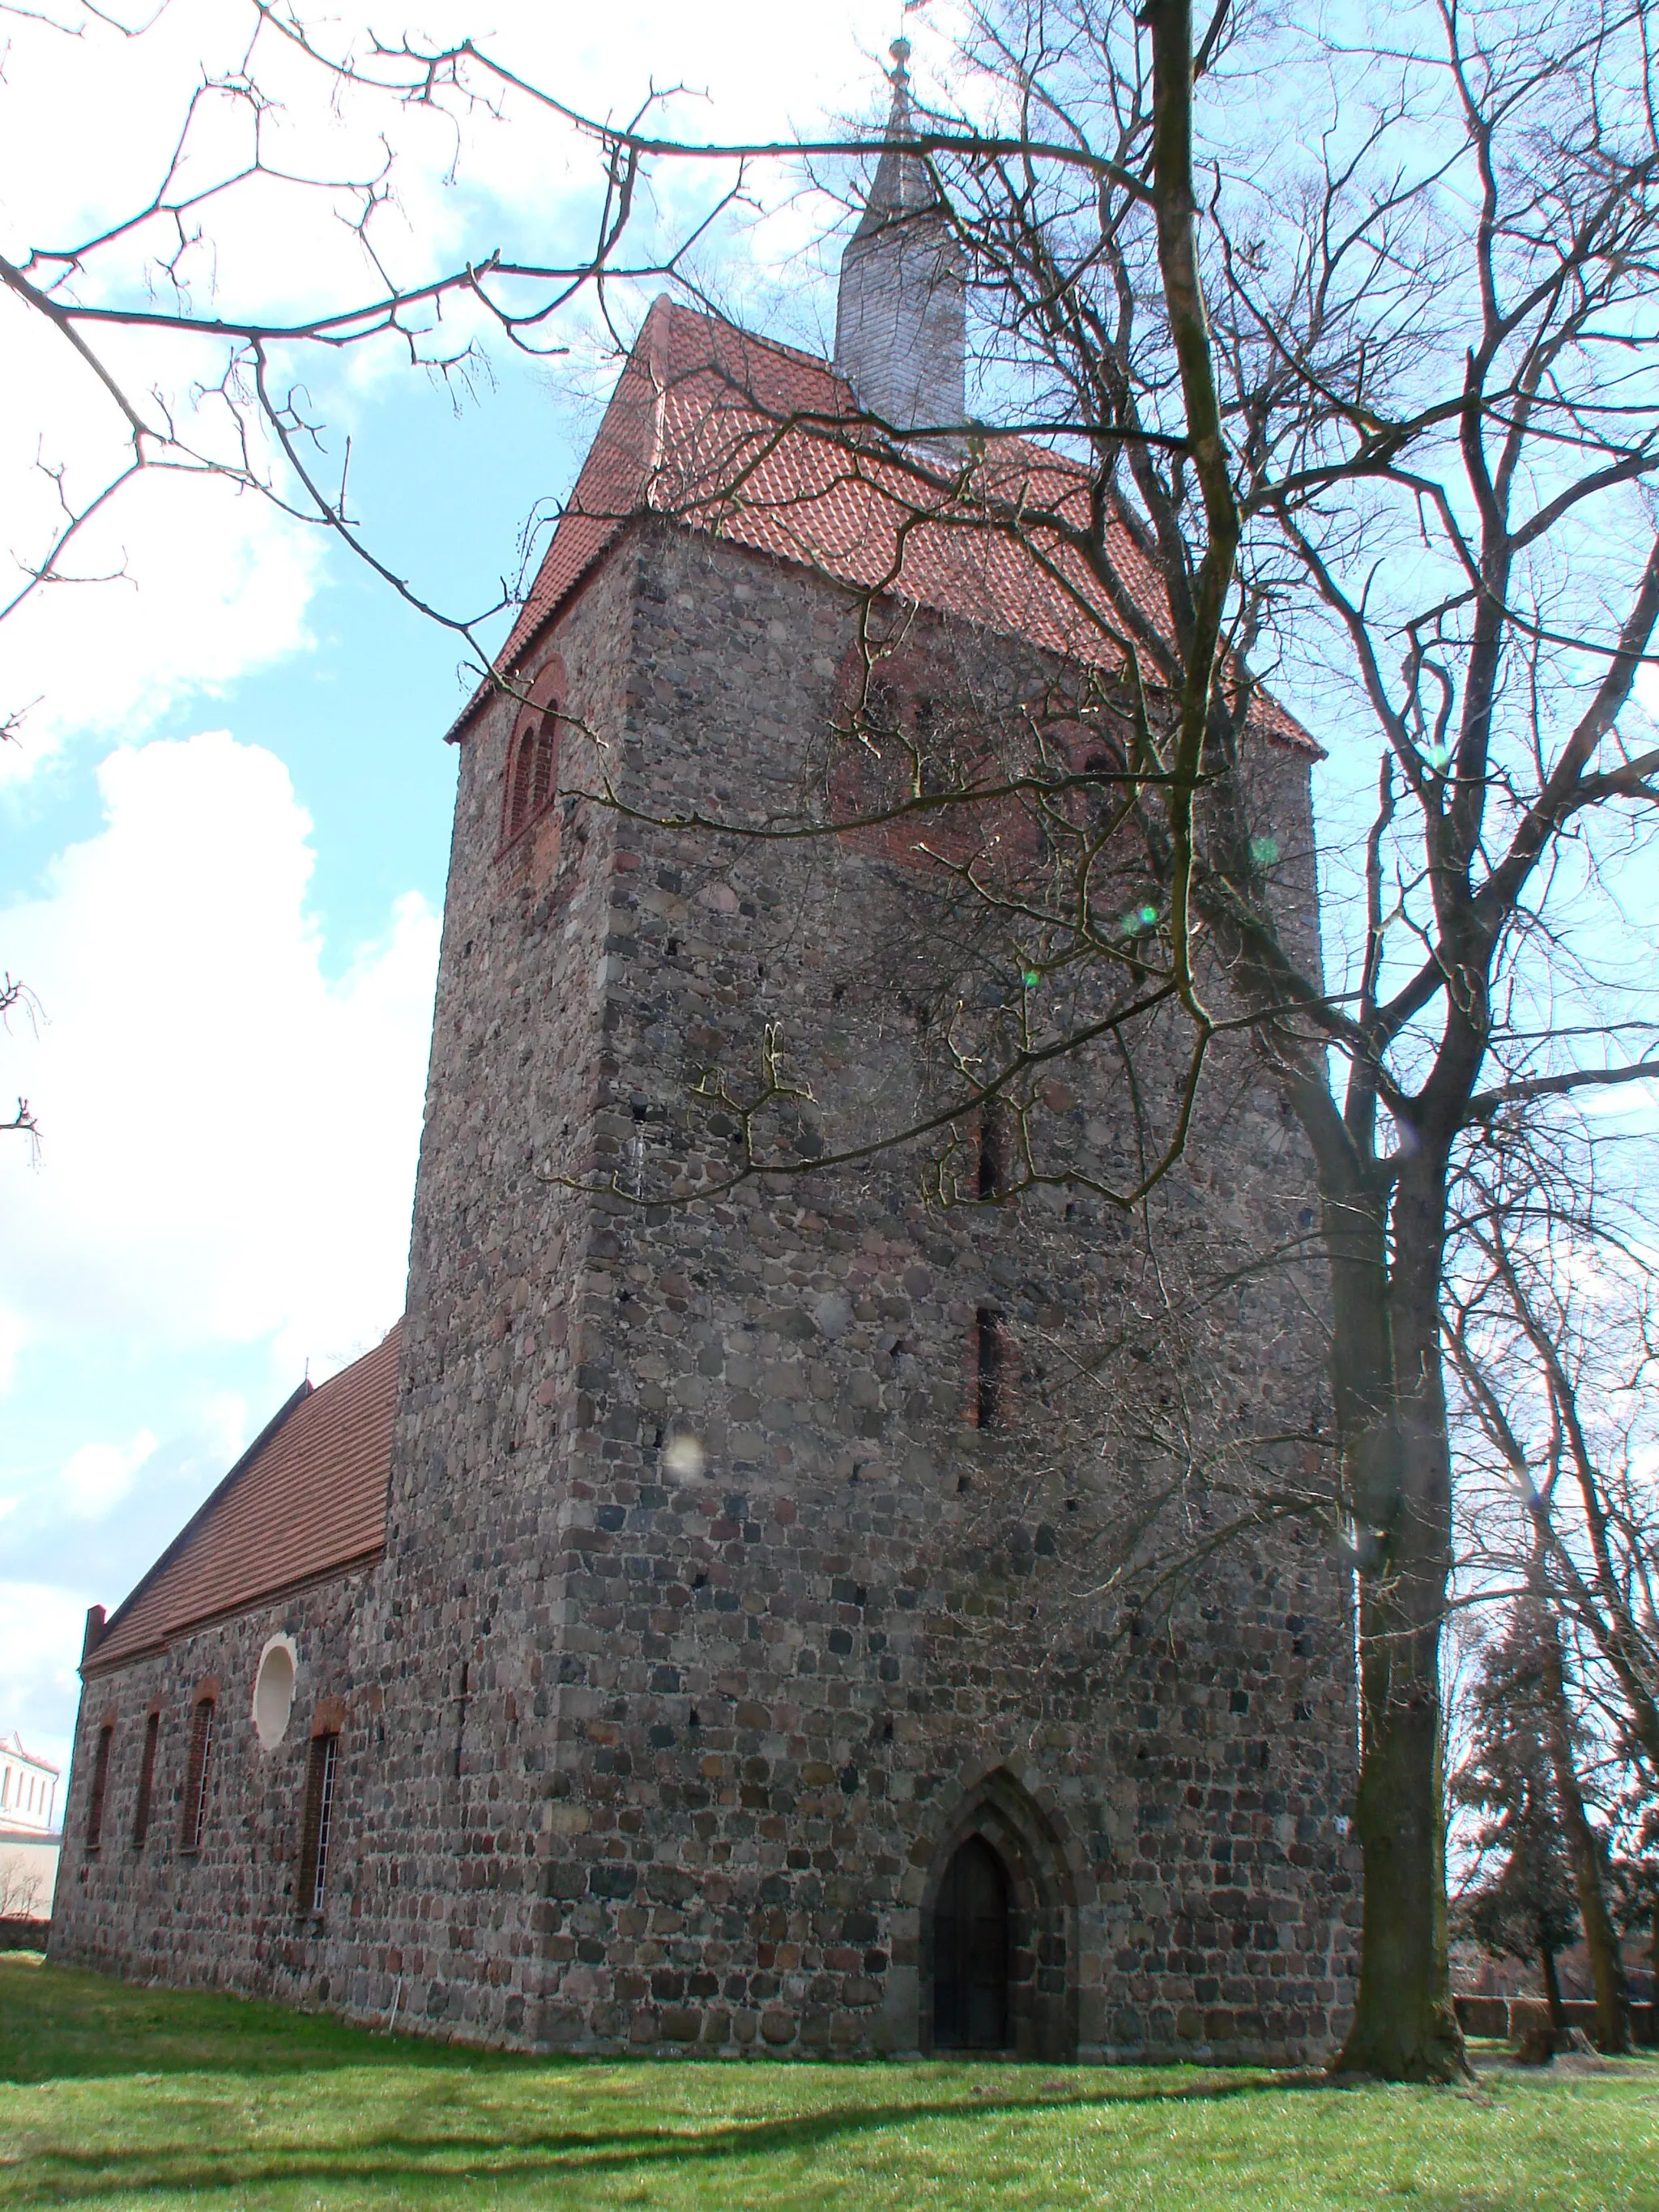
x: 971, y: 1951
x: 998, y: 1935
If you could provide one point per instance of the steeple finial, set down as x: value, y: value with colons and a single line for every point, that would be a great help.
x: 900, y: 181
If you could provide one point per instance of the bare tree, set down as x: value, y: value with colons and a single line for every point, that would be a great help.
x: 22, y: 1891
x: 1548, y: 1330
x: 15, y: 996
x: 1436, y: 404
x: 1387, y: 414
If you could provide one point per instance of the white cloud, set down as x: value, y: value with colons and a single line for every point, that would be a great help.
x: 214, y: 584
x: 225, y: 1427
x: 228, y: 1136
x: 97, y: 1477
x: 204, y: 584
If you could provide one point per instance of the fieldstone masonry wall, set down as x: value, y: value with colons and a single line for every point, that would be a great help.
x: 223, y: 1915
x: 708, y: 1627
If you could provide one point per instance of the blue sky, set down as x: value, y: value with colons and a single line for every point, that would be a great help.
x: 354, y: 714
x: 224, y: 829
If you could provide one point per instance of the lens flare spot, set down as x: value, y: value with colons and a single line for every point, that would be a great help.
x: 683, y: 1457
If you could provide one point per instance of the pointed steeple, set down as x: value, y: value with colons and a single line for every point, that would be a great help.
x: 900, y: 317
x: 901, y: 184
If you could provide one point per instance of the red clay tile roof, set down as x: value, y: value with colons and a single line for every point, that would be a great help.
x: 761, y: 445
x: 308, y: 1499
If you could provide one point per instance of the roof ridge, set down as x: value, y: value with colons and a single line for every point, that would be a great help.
x: 818, y: 361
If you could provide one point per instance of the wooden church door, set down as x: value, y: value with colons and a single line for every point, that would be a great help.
x: 970, y: 1952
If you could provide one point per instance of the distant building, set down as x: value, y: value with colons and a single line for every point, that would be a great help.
x: 29, y: 1838
x: 28, y: 1788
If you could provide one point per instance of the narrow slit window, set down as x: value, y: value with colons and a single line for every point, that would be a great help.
x: 195, y: 1775
x: 319, y: 1823
x: 99, y: 1784
x: 146, y: 1779
x: 988, y: 1368
x: 992, y: 1164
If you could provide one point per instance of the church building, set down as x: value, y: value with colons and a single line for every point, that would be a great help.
x: 709, y: 1621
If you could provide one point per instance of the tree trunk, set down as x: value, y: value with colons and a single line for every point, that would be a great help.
x: 1553, y: 1993
x: 1601, y: 1939
x: 1398, y: 1469
x: 1405, y: 2028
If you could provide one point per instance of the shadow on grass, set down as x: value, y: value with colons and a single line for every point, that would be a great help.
x: 626, y: 2124
x: 508, y: 2155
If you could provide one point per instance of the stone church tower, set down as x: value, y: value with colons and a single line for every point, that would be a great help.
x: 688, y: 1630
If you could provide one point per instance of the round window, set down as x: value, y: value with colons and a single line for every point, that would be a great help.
x: 273, y: 1691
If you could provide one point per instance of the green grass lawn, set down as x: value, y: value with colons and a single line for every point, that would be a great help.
x: 117, y: 2096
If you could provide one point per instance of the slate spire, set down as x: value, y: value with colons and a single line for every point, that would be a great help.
x: 900, y: 318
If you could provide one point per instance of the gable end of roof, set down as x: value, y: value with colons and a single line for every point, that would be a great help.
x: 221, y: 1490
x: 720, y: 431
x: 305, y: 1503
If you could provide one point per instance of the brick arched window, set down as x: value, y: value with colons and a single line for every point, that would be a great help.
x: 895, y: 712
x: 146, y: 1777
x: 317, y: 1826
x: 100, y: 1786
x: 196, y: 1771
x: 911, y: 728
x: 533, y: 757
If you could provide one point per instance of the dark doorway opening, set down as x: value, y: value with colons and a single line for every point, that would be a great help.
x: 970, y: 1952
